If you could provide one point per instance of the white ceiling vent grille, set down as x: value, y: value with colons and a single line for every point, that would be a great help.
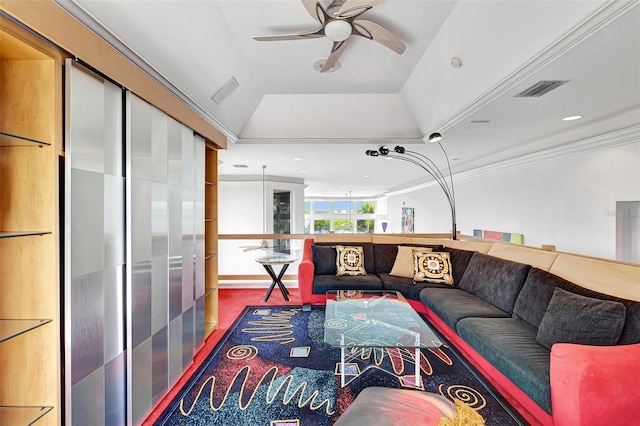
x: 540, y: 88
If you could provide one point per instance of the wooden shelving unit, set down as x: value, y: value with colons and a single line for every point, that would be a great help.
x: 211, y: 239
x: 30, y: 131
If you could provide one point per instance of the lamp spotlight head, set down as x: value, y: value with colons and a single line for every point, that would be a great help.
x: 435, y: 137
x: 399, y: 149
x: 383, y: 150
x: 371, y: 153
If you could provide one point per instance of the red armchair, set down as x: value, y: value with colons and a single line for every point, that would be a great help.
x: 595, y: 385
x: 305, y: 273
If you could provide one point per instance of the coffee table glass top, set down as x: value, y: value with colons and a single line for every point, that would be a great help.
x: 374, y: 319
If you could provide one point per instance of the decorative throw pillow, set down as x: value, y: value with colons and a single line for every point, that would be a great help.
x: 433, y: 267
x: 324, y: 259
x: 572, y: 318
x: 350, y: 260
x: 403, y: 265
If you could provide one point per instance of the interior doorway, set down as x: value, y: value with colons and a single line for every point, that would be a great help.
x: 282, y: 220
x: 628, y: 231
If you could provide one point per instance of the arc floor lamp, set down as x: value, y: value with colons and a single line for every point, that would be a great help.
x: 425, y: 163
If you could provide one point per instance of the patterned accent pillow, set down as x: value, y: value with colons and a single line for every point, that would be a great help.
x: 350, y: 260
x: 433, y: 267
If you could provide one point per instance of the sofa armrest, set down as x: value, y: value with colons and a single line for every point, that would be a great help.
x: 306, y: 272
x: 594, y: 385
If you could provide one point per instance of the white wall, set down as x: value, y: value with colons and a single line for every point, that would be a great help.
x: 240, y: 212
x: 568, y: 202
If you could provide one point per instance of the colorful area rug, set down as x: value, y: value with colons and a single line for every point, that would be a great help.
x: 273, y: 368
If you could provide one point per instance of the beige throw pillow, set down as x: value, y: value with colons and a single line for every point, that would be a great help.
x: 403, y: 265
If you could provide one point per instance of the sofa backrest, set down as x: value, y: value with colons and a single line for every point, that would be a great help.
x: 406, y: 240
x: 479, y: 246
x: 537, y: 291
x: 534, y: 257
x: 608, y: 277
x: 367, y: 250
x: 497, y: 281
x: 602, y: 275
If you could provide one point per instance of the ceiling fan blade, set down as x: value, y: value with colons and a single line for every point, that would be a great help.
x: 336, y: 51
x: 375, y: 32
x: 353, y: 8
x: 315, y: 10
x: 299, y: 36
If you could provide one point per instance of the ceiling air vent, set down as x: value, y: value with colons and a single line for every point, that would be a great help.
x: 540, y: 88
x: 240, y: 166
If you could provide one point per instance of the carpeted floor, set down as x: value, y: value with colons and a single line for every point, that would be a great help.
x: 273, y: 368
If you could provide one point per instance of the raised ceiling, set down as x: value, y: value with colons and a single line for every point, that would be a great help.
x: 316, y: 127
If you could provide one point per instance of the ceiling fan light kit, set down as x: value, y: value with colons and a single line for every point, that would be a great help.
x: 339, y: 22
x: 337, y: 30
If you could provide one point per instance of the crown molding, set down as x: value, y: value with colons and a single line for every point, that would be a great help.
x: 592, y: 24
x: 609, y: 140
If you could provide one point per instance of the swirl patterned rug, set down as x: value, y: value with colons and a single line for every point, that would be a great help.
x: 273, y: 368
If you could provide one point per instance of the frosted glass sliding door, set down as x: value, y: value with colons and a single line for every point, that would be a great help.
x: 94, y: 253
x: 165, y: 199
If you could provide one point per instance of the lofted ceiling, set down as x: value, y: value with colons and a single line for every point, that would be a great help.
x: 316, y: 126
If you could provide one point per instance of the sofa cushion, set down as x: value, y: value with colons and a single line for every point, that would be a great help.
x: 459, y: 261
x: 403, y: 265
x: 385, y: 255
x: 571, y: 318
x: 324, y: 259
x: 510, y: 345
x: 494, y: 280
x: 434, y: 267
x: 350, y: 260
x: 324, y: 283
x: 369, y: 261
x: 452, y: 304
x: 537, y: 291
x: 406, y: 286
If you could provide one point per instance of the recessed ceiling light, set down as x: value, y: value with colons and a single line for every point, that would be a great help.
x: 388, y: 158
x: 297, y: 159
x: 365, y: 176
x: 572, y: 117
x: 303, y: 171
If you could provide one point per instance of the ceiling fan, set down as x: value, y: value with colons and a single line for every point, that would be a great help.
x: 339, y: 21
x: 264, y: 244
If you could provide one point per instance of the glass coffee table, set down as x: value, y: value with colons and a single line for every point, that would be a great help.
x: 369, y: 326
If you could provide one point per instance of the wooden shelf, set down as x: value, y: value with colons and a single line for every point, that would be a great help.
x: 7, y: 139
x: 211, y: 239
x: 15, y: 234
x: 19, y: 416
x: 10, y: 328
x: 30, y: 142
